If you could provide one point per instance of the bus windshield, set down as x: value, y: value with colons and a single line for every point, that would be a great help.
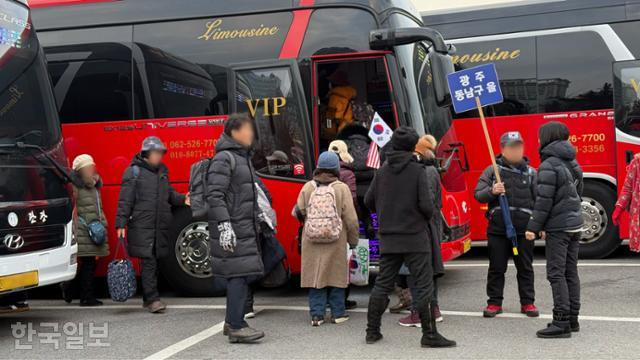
x: 27, y: 108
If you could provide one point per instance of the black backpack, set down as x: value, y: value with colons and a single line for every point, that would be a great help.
x: 359, y: 150
x: 198, y: 185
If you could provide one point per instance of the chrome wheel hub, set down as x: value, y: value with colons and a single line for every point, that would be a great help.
x: 192, y: 250
x: 595, y: 220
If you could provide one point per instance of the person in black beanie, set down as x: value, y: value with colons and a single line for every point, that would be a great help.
x: 400, y: 196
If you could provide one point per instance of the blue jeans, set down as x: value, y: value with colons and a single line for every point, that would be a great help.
x: 318, y: 299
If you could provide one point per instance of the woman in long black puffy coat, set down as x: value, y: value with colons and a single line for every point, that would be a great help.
x: 233, y: 222
x: 557, y: 218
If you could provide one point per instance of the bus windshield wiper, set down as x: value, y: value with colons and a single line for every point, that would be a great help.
x: 447, y: 163
x: 60, y: 171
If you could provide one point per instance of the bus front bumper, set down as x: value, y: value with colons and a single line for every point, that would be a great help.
x: 52, y: 265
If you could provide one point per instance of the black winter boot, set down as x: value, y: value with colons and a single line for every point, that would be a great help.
x: 430, y: 335
x: 377, y: 307
x: 575, y: 325
x: 560, y: 327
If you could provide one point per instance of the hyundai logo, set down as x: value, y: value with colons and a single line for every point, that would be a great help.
x: 13, y: 241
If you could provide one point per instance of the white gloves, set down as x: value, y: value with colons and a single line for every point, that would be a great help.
x: 227, y: 236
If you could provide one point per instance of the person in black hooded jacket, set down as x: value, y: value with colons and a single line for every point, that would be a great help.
x: 144, y: 214
x: 557, y: 218
x: 400, y: 196
x: 357, y: 139
x: 234, y: 222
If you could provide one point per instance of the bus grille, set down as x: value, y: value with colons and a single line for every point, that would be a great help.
x: 457, y: 232
x: 20, y: 241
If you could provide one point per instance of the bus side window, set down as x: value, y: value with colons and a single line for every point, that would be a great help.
x: 574, y: 72
x: 515, y: 61
x: 92, y: 74
x: 268, y: 95
x: 80, y: 100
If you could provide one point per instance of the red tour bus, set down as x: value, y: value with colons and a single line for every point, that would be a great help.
x: 569, y: 61
x: 124, y: 70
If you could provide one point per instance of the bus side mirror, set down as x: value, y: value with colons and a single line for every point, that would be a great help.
x: 441, y: 66
x: 384, y: 39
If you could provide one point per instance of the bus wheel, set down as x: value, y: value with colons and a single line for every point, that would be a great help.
x: 600, y: 237
x: 188, y: 269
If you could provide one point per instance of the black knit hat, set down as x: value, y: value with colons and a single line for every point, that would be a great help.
x: 404, y: 139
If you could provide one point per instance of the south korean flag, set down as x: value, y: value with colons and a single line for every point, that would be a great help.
x: 380, y: 132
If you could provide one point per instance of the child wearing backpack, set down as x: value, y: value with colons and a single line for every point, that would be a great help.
x: 326, y: 207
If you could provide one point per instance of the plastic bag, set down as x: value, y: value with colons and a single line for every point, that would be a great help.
x: 359, y: 264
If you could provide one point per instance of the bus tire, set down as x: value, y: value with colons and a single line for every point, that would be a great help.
x: 600, y: 237
x: 188, y: 268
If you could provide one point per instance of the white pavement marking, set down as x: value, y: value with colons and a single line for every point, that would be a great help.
x: 171, y: 350
x: 121, y: 307
x: 305, y: 308
x: 544, y: 316
x: 186, y: 343
x: 465, y: 264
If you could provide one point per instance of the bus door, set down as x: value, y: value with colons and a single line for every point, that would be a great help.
x: 626, y: 102
x: 347, y: 91
x: 271, y: 92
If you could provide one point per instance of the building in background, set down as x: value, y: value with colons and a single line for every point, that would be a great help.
x: 440, y: 6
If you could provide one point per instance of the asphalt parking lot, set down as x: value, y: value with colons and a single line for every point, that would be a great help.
x: 192, y: 327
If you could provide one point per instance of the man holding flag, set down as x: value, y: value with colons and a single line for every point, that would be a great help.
x: 519, y: 191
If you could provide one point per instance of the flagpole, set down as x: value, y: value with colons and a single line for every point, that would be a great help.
x: 514, y: 245
x: 488, y: 140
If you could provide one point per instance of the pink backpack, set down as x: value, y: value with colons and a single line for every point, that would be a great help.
x: 323, y: 224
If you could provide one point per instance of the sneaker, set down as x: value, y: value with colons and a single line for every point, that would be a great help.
x: 340, y: 319
x: 90, y: 302
x: 250, y: 315
x: 437, y: 314
x: 530, y: 310
x: 14, y: 308
x: 492, y: 310
x: 350, y: 304
x: 317, y: 320
x: 412, y: 320
x: 245, y: 335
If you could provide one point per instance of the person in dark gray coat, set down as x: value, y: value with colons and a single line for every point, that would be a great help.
x: 557, y: 218
x: 234, y: 222
x: 519, y: 186
x: 144, y: 215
